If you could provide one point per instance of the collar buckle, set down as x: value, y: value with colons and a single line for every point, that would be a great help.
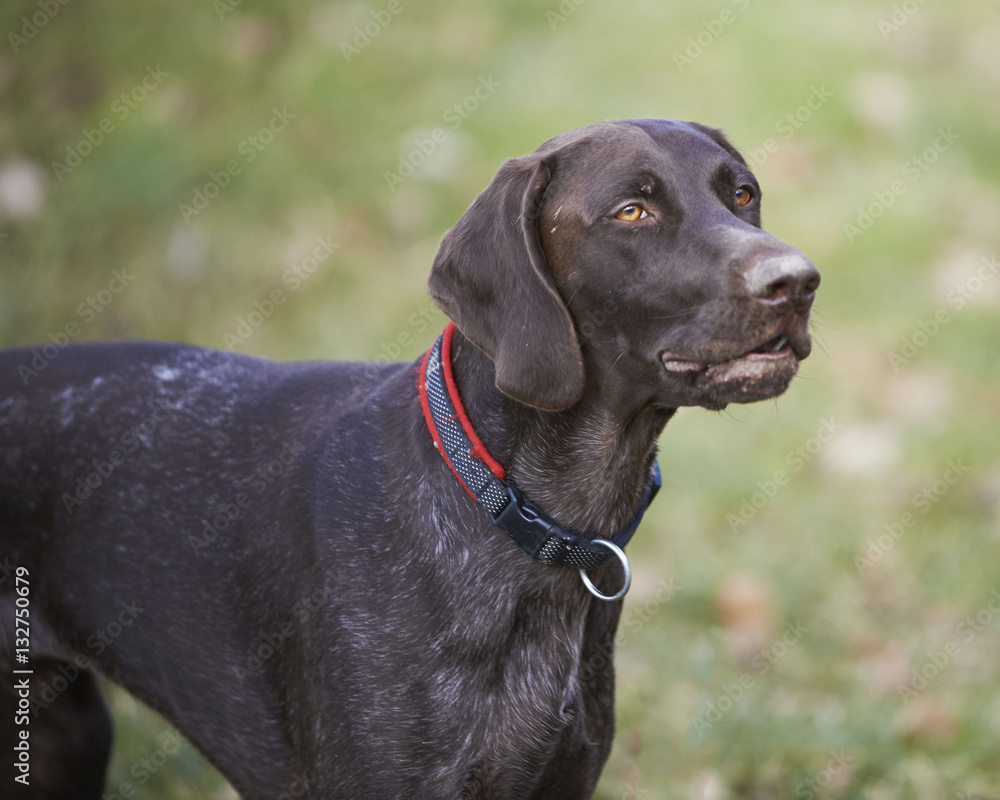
x: 531, y: 529
x: 527, y: 524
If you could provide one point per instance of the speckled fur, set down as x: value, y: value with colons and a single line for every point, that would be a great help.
x: 412, y: 650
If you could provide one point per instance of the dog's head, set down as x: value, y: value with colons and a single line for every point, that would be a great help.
x: 628, y: 249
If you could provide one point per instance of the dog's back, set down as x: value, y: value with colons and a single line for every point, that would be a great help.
x: 179, y: 472
x: 92, y: 429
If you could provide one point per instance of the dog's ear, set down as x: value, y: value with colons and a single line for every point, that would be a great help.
x: 491, y: 277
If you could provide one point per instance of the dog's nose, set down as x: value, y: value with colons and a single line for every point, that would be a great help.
x: 785, y: 278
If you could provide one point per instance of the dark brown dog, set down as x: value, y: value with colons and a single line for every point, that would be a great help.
x: 277, y: 559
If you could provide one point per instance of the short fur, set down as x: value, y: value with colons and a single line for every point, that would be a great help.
x: 293, y: 576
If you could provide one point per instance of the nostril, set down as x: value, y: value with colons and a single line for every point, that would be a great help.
x: 782, y: 278
x: 776, y: 291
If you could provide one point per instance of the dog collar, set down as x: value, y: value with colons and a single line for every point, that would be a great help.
x: 536, y: 533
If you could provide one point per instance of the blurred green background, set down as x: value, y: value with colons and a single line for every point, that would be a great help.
x: 816, y: 611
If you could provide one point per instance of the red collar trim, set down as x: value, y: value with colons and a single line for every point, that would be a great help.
x: 478, y: 448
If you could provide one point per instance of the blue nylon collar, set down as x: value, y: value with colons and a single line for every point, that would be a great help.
x: 536, y: 533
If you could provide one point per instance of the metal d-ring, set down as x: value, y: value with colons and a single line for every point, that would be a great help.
x: 628, y: 573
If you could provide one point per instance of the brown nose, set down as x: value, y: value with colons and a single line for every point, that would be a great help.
x: 789, y: 278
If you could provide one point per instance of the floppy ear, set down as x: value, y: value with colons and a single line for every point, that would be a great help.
x: 491, y: 277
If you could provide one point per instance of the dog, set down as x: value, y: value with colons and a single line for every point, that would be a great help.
x: 301, y: 566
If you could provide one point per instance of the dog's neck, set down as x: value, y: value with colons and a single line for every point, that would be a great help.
x: 587, y: 467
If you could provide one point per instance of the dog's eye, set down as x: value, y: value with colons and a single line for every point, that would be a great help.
x: 744, y: 195
x: 631, y: 213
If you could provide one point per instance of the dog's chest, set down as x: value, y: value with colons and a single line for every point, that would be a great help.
x: 525, y: 697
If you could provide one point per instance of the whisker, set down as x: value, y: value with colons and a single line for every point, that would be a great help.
x: 608, y: 376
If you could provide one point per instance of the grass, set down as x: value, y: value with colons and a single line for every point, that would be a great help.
x: 826, y: 718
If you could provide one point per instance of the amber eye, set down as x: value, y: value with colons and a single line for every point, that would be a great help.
x: 631, y: 213
x: 744, y: 195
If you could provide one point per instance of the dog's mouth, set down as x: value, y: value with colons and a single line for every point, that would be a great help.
x: 779, y: 346
x: 756, y: 374
x: 773, y: 349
